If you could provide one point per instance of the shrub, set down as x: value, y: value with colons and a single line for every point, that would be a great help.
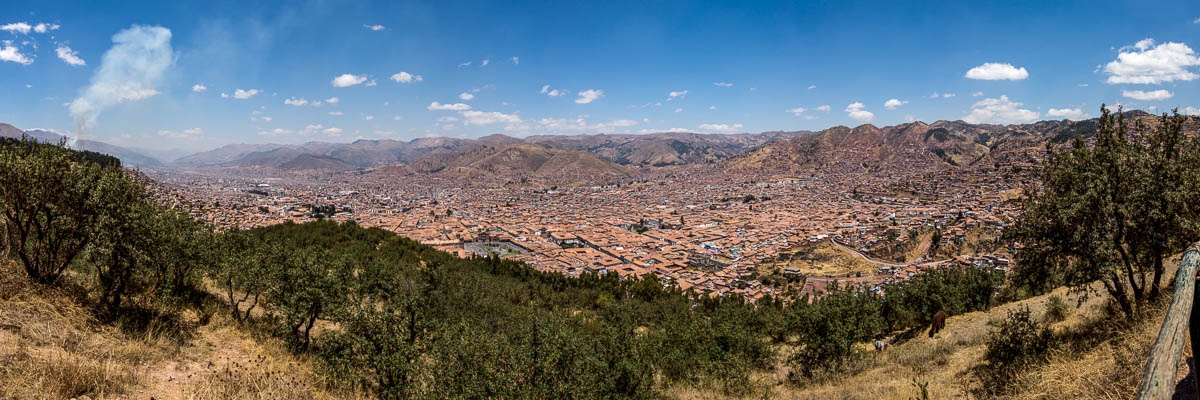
x: 1056, y: 309
x: 1018, y: 342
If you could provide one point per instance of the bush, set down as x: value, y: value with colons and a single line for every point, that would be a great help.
x: 830, y: 328
x: 1056, y: 309
x: 1019, y: 341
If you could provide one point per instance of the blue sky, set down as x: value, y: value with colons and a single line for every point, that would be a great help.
x: 617, y: 67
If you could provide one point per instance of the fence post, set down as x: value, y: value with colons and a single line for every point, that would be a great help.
x: 1158, y: 379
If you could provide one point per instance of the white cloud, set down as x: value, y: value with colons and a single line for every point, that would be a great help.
x: 728, y: 128
x: 17, y: 27
x: 70, y: 56
x: 811, y: 87
x: 199, y: 88
x: 893, y: 103
x: 405, y: 77
x: 947, y: 95
x: 11, y: 53
x: 292, y: 101
x: 722, y: 84
x: 823, y: 108
x: 712, y: 107
x: 485, y: 62
x: 516, y: 60
x: 346, y: 80
x: 1161, y: 94
x: 224, y: 95
x: 678, y: 110
x: 332, y: 100
x: 245, y: 94
x: 307, y: 131
x: 976, y: 94
x: 44, y: 27
x: 375, y: 28
x: 466, y: 96
x: 129, y: 71
x: 552, y: 92
x: 489, y: 117
x: 999, y: 111
x: 856, y: 110
x: 466, y: 64
x: 580, y: 123
x: 588, y: 96
x: 397, y: 118
x: 798, y: 111
x: 1074, y: 114
x: 369, y: 117
x: 1146, y: 63
x: 997, y: 72
x: 678, y: 94
x: 1189, y: 110
x: 335, y: 113
x: 435, y: 106
x: 184, y: 134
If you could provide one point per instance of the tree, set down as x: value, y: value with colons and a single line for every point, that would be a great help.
x: 46, y: 199
x: 305, y: 287
x: 239, y: 270
x: 830, y: 328
x: 1111, y: 212
x: 182, y: 247
x: 123, y: 239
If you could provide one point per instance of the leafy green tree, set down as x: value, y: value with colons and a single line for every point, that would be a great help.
x: 305, y: 287
x: 181, y: 247
x: 123, y: 237
x: 379, y: 348
x: 1111, y: 212
x: 47, y: 201
x: 830, y: 328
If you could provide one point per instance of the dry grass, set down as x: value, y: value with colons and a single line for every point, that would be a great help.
x: 51, y: 347
x: 825, y: 259
x: 1109, y: 370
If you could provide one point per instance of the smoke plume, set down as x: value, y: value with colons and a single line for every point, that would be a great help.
x: 129, y: 71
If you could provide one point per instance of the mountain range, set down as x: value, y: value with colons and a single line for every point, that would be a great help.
x: 942, y: 143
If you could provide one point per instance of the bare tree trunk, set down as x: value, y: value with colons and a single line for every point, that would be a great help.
x: 3, y: 240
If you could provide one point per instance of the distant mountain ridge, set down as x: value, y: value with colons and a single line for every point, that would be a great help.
x: 917, y: 144
x: 127, y: 156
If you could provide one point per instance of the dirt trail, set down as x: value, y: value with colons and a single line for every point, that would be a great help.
x: 207, y: 354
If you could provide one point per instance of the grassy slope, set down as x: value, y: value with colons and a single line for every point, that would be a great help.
x: 1108, y: 369
x: 52, y: 347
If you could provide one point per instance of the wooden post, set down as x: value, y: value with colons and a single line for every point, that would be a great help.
x: 1158, y: 379
x: 1194, y: 335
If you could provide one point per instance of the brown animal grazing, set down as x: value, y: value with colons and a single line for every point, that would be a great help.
x: 939, y: 323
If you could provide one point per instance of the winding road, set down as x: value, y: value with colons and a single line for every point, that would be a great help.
x: 874, y: 261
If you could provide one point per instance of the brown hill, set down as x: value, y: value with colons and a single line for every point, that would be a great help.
x: 920, y: 145
x: 523, y: 159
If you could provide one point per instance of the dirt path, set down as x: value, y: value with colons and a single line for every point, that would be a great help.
x: 207, y: 354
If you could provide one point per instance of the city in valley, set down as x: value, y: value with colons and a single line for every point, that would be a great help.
x: 705, y: 227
